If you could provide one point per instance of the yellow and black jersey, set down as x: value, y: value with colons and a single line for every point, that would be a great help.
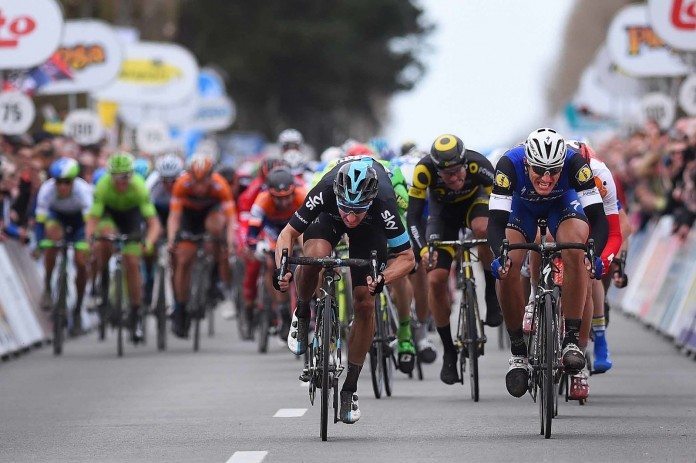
x: 427, y: 183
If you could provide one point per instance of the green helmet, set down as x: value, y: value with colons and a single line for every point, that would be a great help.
x: 120, y: 163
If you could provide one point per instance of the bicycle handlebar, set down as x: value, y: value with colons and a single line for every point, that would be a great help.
x: 548, y: 248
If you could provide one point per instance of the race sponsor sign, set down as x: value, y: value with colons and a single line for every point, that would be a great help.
x: 92, y: 53
x: 153, y: 73
x: 659, y: 108
x: 675, y: 22
x: 637, y: 49
x: 176, y: 115
x: 213, y: 114
x: 83, y: 126
x: 17, y: 113
x: 30, y: 31
x: 687, y: 95
x: 153, y: 137
x: 613, y: 79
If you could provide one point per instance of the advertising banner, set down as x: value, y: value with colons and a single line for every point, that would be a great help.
x: 177, y: 115
x: 637, y: 49
x: 30, y: 31
x: 675, y: 22
x: 687, y: 95
x: 92, y: 53
x: 17, y: 113
x: 678, y: 283
x: 213, y: 114
x: 153, y: 73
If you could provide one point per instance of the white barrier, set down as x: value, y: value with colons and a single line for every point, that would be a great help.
x: 662, y: 283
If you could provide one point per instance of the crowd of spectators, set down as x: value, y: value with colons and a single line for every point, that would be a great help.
x: 656, y: 169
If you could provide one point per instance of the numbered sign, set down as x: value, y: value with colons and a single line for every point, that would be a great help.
x: 659, y: 108
x: 153, y: 137
x: 687, y: 95
x: 83, y: 126
x: 17, y: 113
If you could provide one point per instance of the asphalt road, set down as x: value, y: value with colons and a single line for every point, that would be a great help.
x: 217, y: 404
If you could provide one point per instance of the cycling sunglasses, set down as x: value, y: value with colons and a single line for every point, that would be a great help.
x: 541, y: 171
x: 64, y: 181
x: 355, y: 210
x: 125, y: 176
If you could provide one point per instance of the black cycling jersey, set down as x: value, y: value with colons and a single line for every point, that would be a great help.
x: 428, y: 184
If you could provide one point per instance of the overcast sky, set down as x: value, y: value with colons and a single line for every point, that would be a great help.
x: 486, y: 72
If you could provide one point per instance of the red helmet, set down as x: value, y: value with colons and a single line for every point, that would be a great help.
x: 359, y: 149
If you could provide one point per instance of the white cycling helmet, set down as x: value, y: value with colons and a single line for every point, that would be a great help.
x: 290, y: 137
x: 169, y: 166
x: 545, y: 148
x: 331, y: 153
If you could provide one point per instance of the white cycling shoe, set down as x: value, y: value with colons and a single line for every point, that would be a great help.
x: 297, y: 337
x: 350, y: 412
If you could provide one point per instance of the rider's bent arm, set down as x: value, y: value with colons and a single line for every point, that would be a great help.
x: 173, y: 223
x: 582, y: 180
x: 416, y: 203
x: 500, y: 204
x: 400, y: 266
x: 285, y: 240
x: 153, y: 231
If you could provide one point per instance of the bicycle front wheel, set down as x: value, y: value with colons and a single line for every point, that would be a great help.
x: 60, y: 311
x: 473, y: 343
x: 377, y: 352
x: 326, y: 384
x: 118, y: 309
x: 161, y: 309
x: 548, y: 392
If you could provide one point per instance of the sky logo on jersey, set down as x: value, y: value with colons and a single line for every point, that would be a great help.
x: 502, y: 180
x: 584, y: 174
x: 314, y: 201
x: 389, y: 220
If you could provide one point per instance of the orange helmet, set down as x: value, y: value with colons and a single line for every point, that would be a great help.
x: 200, y: 166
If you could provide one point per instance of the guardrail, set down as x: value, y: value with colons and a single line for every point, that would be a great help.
x: 662, y: 288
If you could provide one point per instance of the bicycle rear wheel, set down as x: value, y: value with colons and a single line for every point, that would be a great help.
x: 118, y: 309
x: 389, y: 359
x: 103, y: 308
x: 326, y: 385
x: 264, y: 323
x: 472, y: 340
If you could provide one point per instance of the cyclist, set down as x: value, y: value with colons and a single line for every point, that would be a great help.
x: 401, y: 289
x: 427, y: 352
x: 201, y: 203
x: 159, y: 184
x: 356, y: 198
x: 121, y: 203
x: 544, y: 178
x: 457, y: 182
x: 290, y: 139
x: 62, y: 204
x: 251, y: 265
x: 270, y: 213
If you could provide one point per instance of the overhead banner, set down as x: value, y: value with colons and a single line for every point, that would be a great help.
x: 30, y: 31
x: 153, y: 73
x: 637, y: 49
x: 675, y: 22
x: 92, y: 53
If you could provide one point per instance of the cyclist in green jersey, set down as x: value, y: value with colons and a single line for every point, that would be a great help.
x: 121, y: 203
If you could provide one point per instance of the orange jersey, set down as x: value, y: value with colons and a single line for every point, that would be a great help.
x: 265, y: 214
x: 217, y: 194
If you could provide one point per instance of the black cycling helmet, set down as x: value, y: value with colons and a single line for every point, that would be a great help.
x: 406, y: 147
x: 280, y: 182
x: 355, y: 184
x: 447, y: 151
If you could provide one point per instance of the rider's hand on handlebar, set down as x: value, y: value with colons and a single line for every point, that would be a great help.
x: 596, y: 269
x: 281, y: 284
x: 500, y: 270
x: 375, y: 286
x: 430, y: 261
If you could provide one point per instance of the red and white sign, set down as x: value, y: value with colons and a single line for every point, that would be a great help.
x: 675, y: 22
x: 93, y: 53
x: 30, y: 31
x: 637, y: 49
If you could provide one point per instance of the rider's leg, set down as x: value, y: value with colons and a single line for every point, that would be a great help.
x: 215, y: 226
x: 602, y: 360
x: 419, y: 288
x: 361, y: 334
x: 184, y: 254
x: 574, y: 292
x: 511, y: 295
x: 402, y: 294
x: 479, y: 225
x: 54, y: 232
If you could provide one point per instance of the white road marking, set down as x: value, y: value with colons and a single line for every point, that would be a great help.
x: 290, y: 413
x: 248, y: 457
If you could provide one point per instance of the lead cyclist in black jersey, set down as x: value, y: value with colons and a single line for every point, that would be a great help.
x: 356, y: 198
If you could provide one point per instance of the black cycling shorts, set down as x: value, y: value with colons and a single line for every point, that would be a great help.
x: 193, y: 220
x: 446, y: 219
x: 361, y: 241
x: 128, y: 222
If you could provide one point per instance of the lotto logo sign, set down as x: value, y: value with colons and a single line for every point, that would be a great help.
x: 12, y: 29
x: 683, y: 14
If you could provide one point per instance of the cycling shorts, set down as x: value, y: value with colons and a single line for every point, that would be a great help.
x: 524, y: 214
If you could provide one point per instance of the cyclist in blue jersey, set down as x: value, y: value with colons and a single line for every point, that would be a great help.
x: 356, y: 198
x: 544, y: 178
